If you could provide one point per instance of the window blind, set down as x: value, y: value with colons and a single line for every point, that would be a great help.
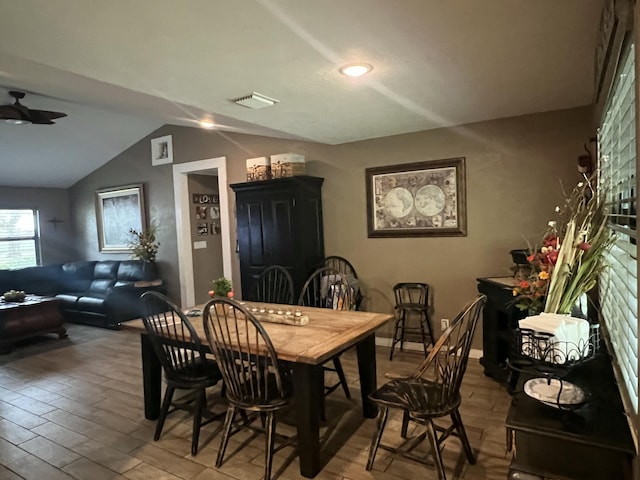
x: 18, y: 238
x: 617, y: 170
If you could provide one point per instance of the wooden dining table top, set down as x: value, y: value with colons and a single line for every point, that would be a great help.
x: 327, y: 333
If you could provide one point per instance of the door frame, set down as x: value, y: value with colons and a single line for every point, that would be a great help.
x: 183, y: 223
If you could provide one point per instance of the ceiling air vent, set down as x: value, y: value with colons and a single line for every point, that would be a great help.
x: 255, y: 101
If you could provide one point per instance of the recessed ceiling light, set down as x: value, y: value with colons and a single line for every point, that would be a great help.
x: 356, y: 69
x: 208, y: 124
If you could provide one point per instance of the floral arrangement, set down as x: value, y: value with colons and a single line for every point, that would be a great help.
x: 221, y: 287
x: 571, y: 257
x: 143, y: 243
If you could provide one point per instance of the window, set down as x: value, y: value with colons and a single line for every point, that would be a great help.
x: 618, y: 284
x: 19, y: 243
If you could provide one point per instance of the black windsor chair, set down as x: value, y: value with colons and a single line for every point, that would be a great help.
x: 274, y: 285
x: 183, y: 360
x: 344, y: 266
x: 328, y: 288
x: 412, y: 303
x: 433, y: 391
x: 250, y: 369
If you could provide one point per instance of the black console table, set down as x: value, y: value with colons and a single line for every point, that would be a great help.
x: 592, y: 442
x: 500, y: 318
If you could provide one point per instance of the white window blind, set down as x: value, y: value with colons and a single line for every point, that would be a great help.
x: 617, y: 169
x: 18, y: 238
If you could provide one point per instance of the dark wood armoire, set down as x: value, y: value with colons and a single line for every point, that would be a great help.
x: 279, y: 223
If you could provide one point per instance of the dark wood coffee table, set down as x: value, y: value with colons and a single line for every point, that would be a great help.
x: 35, y: 315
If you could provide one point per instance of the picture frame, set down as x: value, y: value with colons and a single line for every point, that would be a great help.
x: 118, y: 210
x: 422, y: 199
x: 161, y: 150
x: 201, y: 213
x: 202, y: 228
x: 206, y: 198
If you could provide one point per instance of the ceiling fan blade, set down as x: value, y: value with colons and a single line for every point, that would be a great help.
x: 18, y: 113
x: 10, y: 112
x: 43, y: 117
x: 47, y: 114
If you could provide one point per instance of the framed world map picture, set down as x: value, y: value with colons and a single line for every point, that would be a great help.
x: 417, y: 199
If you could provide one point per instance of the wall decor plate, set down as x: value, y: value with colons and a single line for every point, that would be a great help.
x: 547, y: 391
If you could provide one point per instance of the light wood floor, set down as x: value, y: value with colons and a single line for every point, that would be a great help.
x: 73, y: 409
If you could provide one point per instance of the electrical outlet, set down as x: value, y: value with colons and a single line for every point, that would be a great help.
x: 444, y: 324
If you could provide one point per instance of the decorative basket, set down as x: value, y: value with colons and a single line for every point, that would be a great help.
x: 542, y: 353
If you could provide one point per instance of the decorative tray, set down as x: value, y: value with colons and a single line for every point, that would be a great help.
x: 555, y: 393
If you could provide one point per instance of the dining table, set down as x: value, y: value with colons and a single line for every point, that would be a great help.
x: 325, y: 334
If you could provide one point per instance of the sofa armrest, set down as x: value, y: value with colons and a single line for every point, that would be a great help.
x: 123, y: 301
x: 148, y: 283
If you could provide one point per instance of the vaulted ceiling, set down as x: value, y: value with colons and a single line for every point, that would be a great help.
x: 121, y: 69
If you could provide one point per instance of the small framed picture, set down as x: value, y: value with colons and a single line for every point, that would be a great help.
x: 201, y: 213
x: 161, y: 150
x: 203, y: 229
x: 215, y: 212
x: 215, y: 228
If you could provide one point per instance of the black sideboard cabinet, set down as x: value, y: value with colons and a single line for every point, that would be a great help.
x: 279, y: 223
x: 592, y: 442
x: 500, y: 318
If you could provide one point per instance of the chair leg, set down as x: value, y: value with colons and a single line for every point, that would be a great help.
x: 201, y: 401
x: 226, y: 430
x: 423, y: 335
x: 343, y: 380
x: 462, y: 434
x: 405, y: 424
x: 435, y: 447
x: 375, y: 441
x: 394, y: 339
x: 402, y: 327
x: 270, y: 430
x: 166, y: 404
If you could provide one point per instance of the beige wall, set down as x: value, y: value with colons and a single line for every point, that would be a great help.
x: 513, y: 171
x: 56, y: 240
x: 514, y: 168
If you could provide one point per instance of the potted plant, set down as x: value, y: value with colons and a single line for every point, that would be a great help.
x: 222, y: 287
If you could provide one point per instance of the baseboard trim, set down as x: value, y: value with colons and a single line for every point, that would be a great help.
x: 417, y: 347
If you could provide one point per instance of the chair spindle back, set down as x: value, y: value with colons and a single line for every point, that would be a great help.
x: 174, y: 339
x: 244, y: 353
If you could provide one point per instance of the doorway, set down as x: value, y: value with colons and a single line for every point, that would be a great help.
x: 213, y: 166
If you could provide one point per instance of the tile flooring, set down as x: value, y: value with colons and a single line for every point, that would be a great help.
x: 73, y: 409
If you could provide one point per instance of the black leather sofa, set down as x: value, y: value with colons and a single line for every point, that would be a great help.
x: 101, y: 293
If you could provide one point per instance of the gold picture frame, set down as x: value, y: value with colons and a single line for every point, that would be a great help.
x: 119, y: 209
x: 422, y: 199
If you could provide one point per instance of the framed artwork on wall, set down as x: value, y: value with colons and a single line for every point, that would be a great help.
x: 202, y: 229
x: 119, y: 210
x: 201, y: 213
x: 162, y: 150
x: 417, y: 199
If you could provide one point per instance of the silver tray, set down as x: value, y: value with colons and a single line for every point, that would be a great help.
x: 555, y: 392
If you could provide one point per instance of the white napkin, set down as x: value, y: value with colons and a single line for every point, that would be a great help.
x: 570, y: 336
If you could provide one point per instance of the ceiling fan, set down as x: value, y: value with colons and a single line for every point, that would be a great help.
x: 18, y: 114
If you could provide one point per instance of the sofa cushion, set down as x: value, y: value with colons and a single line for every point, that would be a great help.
x: 45, y: 280
x: 78, y: 275
x: 106, y: 269
x: 69, y: 300
x: 135, y: 270
x: 101, y: 285
x: 94, y: 303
